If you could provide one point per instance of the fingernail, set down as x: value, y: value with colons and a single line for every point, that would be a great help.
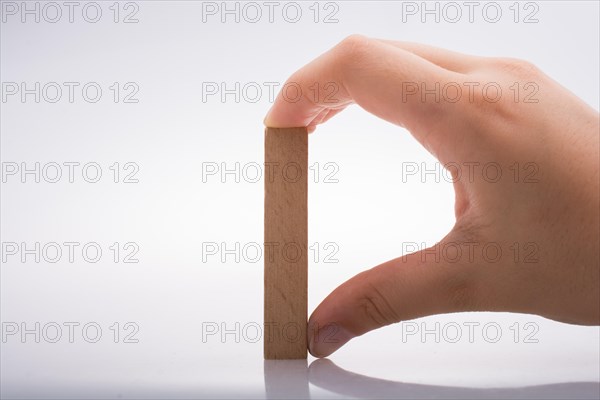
x: 328, y: 339
x: 267, y: 117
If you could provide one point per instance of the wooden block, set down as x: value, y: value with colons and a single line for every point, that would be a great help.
x: 286, y: 243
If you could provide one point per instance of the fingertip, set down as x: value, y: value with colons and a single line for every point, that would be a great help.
x: 324, y: 340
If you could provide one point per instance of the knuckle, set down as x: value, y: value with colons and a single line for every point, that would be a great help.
x: 516, y: 67
x: 353, y: 47
x: 376, y: 308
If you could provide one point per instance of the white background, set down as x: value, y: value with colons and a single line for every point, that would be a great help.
x: 172, y: 294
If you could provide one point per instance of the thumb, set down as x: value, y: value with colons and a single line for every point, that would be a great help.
x: 412, y: 286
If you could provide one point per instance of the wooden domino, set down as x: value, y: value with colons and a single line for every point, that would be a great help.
x: 286, y: 243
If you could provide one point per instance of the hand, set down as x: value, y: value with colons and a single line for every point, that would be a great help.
x: 552, y: 206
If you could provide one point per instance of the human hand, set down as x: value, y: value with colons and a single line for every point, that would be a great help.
x: 552, y: 204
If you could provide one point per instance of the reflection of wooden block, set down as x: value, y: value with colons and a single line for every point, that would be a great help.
x: 286, y: 242
x: 286, y: 379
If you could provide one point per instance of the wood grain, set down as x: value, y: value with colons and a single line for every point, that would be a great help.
x: 286, y: 243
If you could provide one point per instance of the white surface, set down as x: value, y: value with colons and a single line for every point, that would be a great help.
x: 171, y: 292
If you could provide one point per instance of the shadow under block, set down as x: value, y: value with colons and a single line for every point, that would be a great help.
x: 286, y: 243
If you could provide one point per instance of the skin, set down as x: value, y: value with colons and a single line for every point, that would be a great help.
x: 550, y: 210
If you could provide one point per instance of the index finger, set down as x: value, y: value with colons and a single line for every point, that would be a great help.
x: 378, y: 76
